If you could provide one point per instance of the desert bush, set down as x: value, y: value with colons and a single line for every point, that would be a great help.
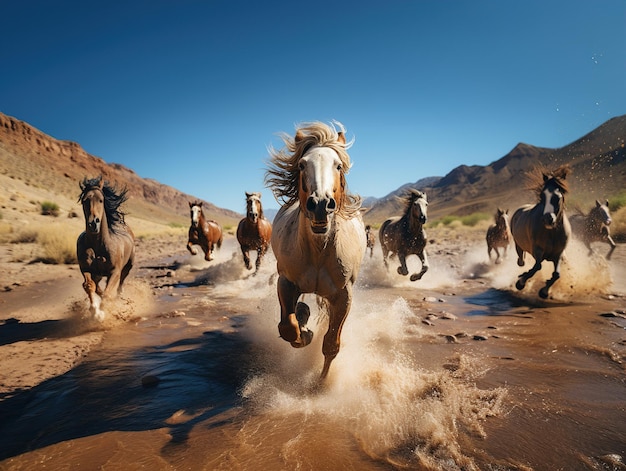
x: 26, y: 235
x: 469, y: 220
x: 58, y: 245
x: 49, y: 208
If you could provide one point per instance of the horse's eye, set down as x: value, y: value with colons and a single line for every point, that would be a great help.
x: 301, y: 166
x: 339, y: 167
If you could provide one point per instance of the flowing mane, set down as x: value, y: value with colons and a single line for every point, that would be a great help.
x: 283, y: 174
x: 539, y: 176
x: 408, y: 198
x: 113, y: 199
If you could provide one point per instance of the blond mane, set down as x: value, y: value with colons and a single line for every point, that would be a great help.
x: 283, y: 174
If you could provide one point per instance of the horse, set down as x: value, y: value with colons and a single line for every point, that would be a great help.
x: 206, y: 233
x: 499, y: 234
x: 543, y: 229
x: 319, y: 236
x: 254, y: 231
x: 405, y: 235
x: 107, y: 246
x: 594, y: 227
x: 370, y: 237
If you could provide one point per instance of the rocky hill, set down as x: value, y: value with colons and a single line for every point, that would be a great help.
x: 598, y: 162
x: 40, y: 160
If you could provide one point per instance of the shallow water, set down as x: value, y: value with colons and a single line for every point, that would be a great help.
x: 456, y: 371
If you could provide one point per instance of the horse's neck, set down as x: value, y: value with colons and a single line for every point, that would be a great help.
x: 413, y: 225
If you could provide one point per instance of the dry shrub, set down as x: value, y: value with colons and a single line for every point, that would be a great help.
x: 26, y: 235
x: 58, y: 244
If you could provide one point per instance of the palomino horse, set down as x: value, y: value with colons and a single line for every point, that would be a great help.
x: 499, y: 234
x: 371, y: 239
x: 594, y: 227
x: 206, y: 233
x: 254, y: 231
x: 543, y: 229
x: 319, y: 238
x: 107, y: 246
x: 404, y: 235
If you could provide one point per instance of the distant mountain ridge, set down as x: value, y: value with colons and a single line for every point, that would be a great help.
x: 598, y: 162
x: 30, y: 155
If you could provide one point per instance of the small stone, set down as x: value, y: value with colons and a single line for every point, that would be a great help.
x: 430, y: 299
x: 480, y: 337
x: 448, y: 316
x: 427, y: 322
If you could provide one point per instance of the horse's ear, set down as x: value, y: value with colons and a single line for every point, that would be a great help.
x: 101, y: 183
x: 299, y: 136
x: 598, y: 204
x: 248, y: 195
x: 341, y: 137
x: 545, y: 178
x: 607, y: 203
x: 190, y: 204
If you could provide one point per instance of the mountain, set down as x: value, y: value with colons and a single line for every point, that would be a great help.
x: 40, y: 160
x: 598, y: 162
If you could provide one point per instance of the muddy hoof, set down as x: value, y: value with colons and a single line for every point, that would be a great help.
x: 289, y: 330
x: 520, y: 284
x: 302, y: 313
x: 306, y: 336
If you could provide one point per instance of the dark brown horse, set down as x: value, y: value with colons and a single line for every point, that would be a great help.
x: 254, y: 231
x: 499, y: 234
x: 206, y: 233
x: 543, y: 229
x: 107, y: 246
x: 404, y: 235
x: 594, y: 227
x: 319, y: 238
x: 371, y: 239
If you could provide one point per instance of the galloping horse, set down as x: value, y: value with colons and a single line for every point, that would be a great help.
x: 594, y: 227
x: 319, y: 238
x: 371, y: 239
x: 254, y: 231
x: 404, y: 235
x: 543, y: 229
x: 206, y: 233
x: 107, y: 246
x: 499, y: 234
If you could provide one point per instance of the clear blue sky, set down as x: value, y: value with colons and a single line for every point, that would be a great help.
x: 191, y: 93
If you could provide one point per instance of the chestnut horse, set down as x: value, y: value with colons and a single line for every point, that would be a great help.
x: 404, y: 235
x: 499, y: 234
x: 254, y: 231
x: 543, y: 229
x: 206, y: 233
x: 107, y: 246
x: 594, y: 227
x: 319, y: 237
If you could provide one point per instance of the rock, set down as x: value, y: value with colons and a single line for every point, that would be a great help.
x: 480, y: 337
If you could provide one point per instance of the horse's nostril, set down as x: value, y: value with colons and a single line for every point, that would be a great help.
x: 332, y: 205
x: 311, y: 204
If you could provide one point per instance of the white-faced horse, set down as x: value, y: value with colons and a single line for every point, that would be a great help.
x: 594, y: 227
x: 319, y: 237
x: 543, y: 229
x: 106, y: 249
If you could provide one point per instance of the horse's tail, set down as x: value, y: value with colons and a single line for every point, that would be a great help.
x: 219, y: 241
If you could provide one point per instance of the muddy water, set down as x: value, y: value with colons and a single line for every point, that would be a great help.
x: 456, y: 371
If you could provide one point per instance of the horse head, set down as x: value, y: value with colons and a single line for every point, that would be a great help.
x: 322, y: 184
x: 553, y: 200
x: 254, y: 209
x: 502, y: 217
x: 419, y: 206
x: 92, y: 199
x: 195, y: 210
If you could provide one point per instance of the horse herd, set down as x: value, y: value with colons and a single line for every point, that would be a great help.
x: 318, y: 236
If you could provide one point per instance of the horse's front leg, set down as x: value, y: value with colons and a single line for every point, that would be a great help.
x: 543, y: 292
x: 293, y: 315
x: 424, y: 259
x: 610, y: 241
x: 259, y: 256
x: 520, y: 255
x: 338, y: 307
x: 402, y: 269
x: 90, y: 287
x: 498, y: 261
x: 192, y: 251
x: 246, y: 258
x: 524, y: 277
x: 113, y: 284
x: 208, y: 249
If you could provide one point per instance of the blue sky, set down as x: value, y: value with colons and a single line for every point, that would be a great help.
x: 191, y: 93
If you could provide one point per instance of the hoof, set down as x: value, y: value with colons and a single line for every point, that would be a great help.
x: 498, y: 261
x: 402, y: 272
x: 543, y: 293
x: 520, y: 284
x: 289, y: 331
x: 520, y: 262
x: 416, y: 276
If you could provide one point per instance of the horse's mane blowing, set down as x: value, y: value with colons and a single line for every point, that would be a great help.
x: 539, y: 175
x: 113, y: 199
x: 283, y: 175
